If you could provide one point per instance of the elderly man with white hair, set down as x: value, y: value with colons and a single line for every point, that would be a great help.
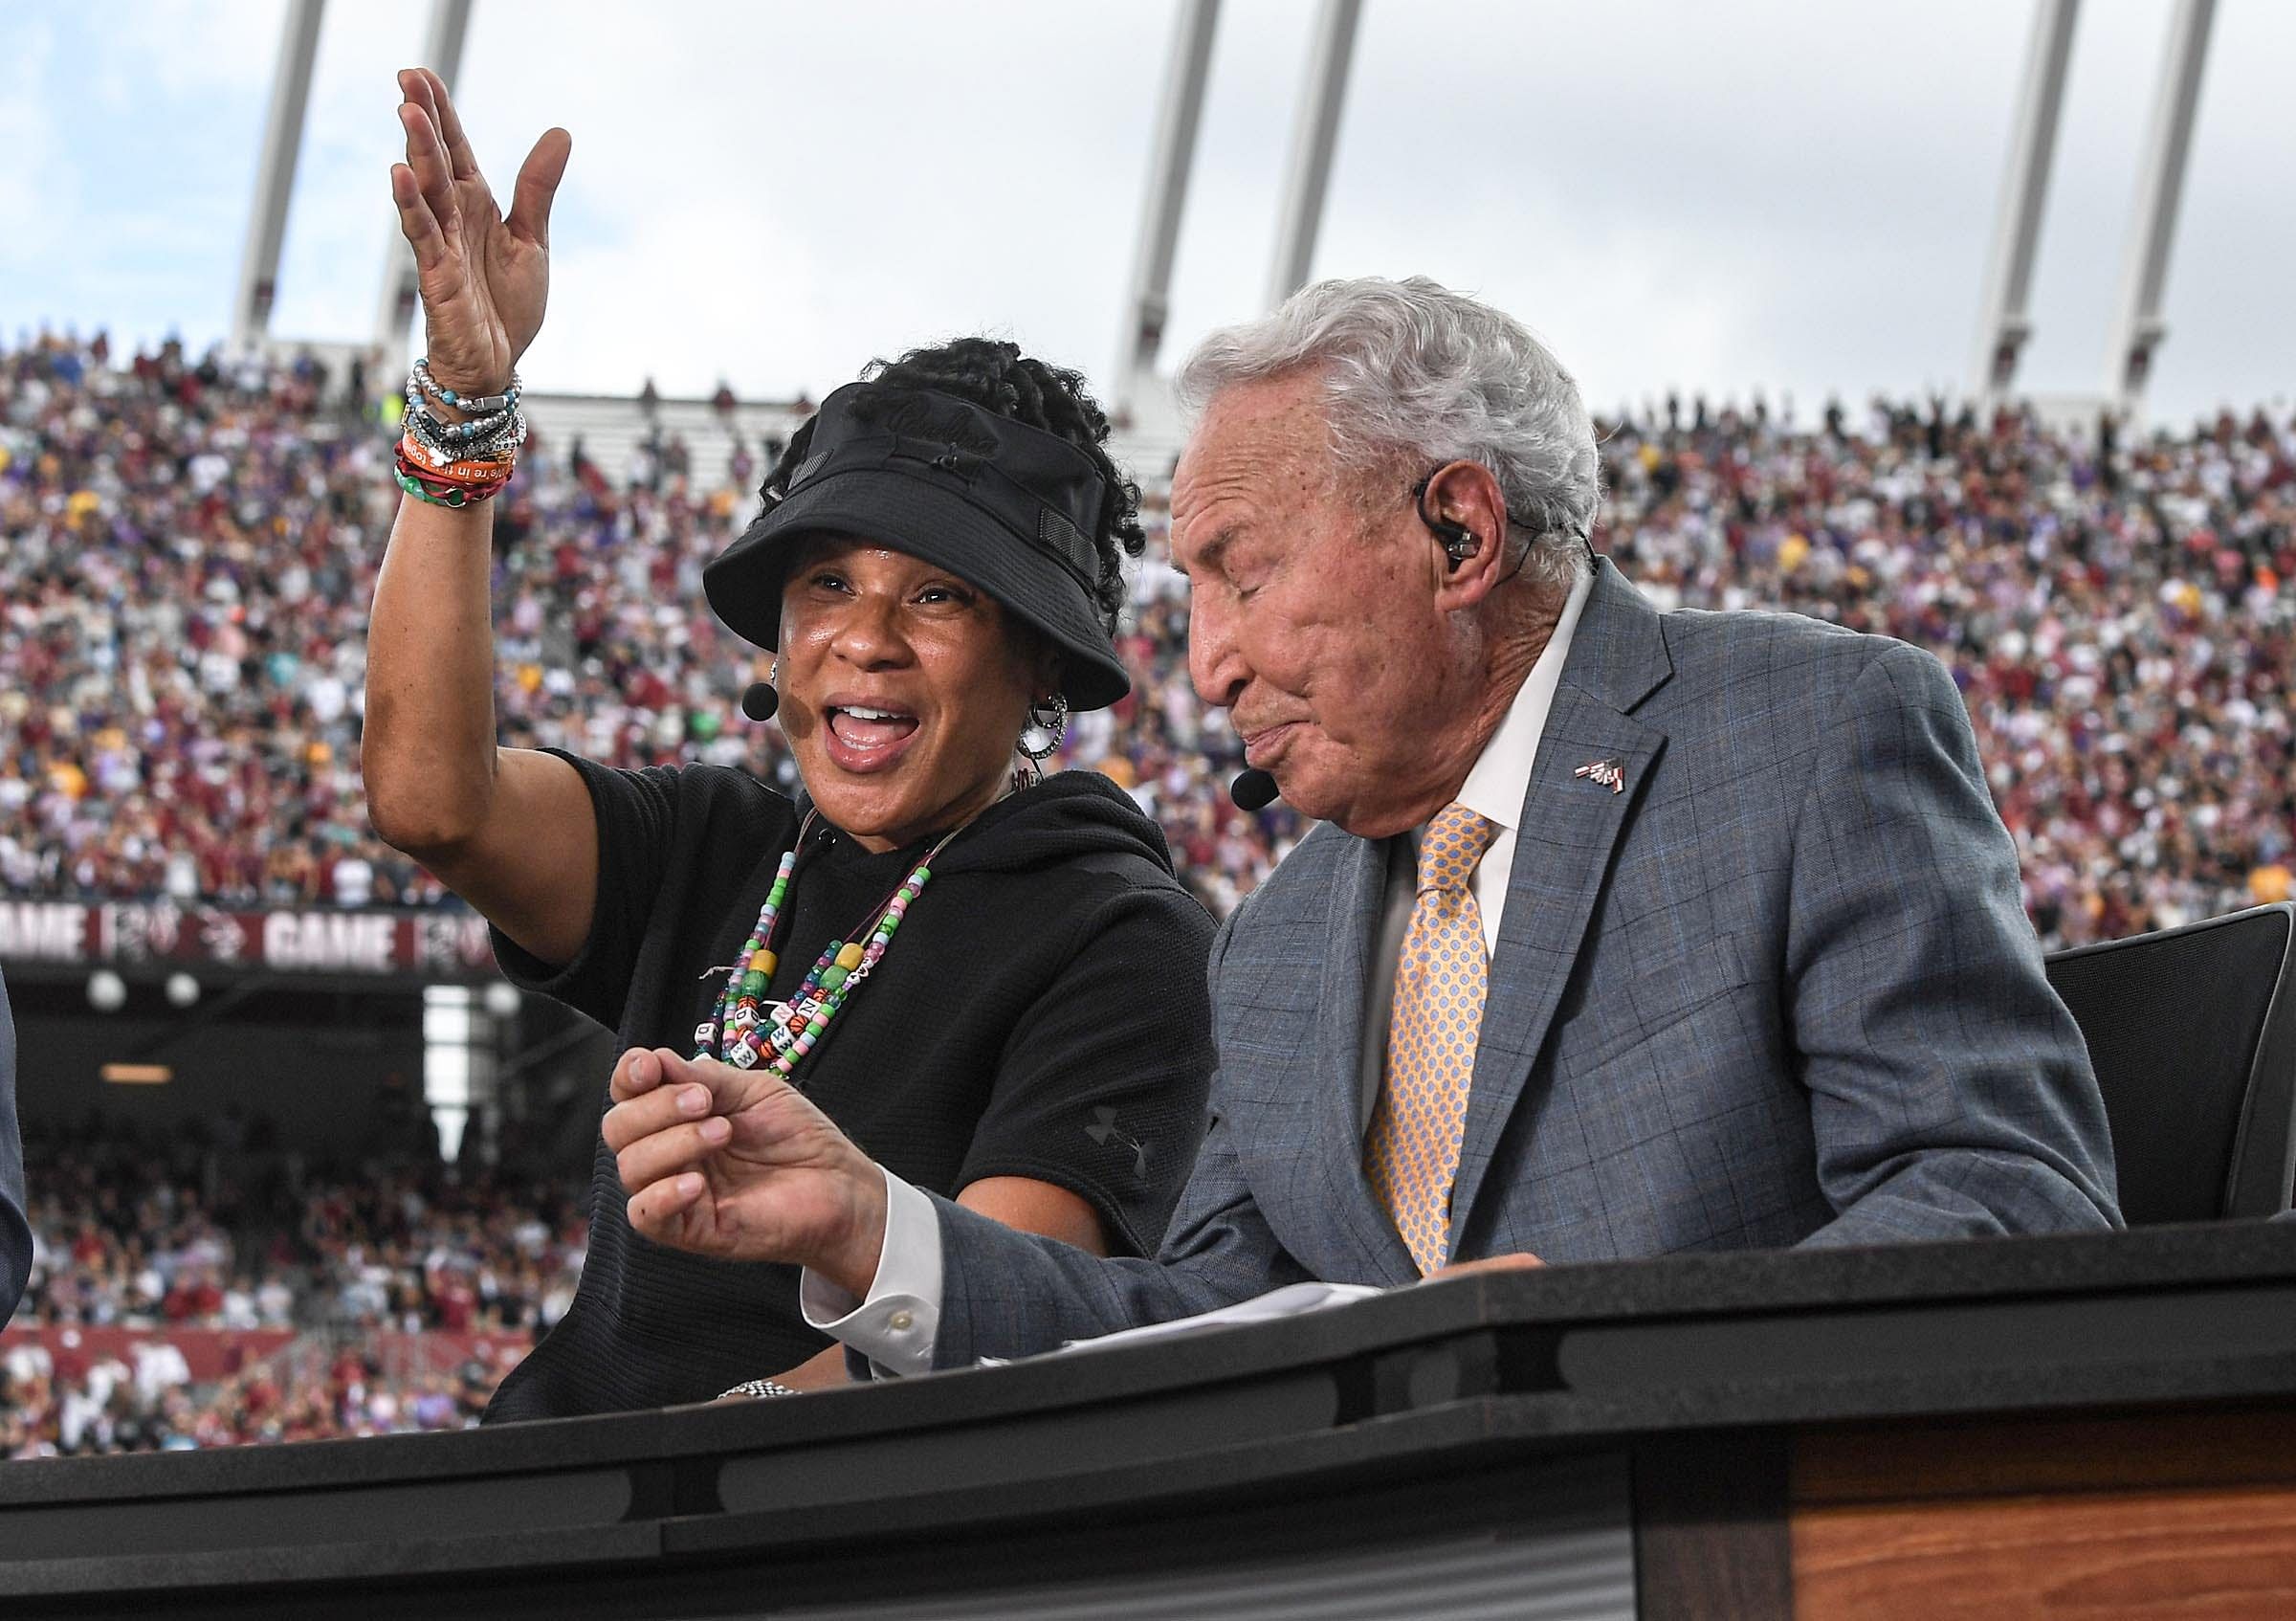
x: 1625, y: 933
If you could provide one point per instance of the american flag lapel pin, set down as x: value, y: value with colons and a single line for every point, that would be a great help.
x: 1608, y: 773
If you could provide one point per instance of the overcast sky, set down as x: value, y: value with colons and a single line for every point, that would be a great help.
x: 1785, y: 196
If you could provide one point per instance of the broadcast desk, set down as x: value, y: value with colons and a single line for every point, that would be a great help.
x: 2069, y: 1426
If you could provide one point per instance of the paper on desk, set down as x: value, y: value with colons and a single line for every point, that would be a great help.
x: 1295, y: 1300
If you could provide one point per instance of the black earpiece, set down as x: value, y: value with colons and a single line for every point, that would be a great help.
x: 1459, y: 542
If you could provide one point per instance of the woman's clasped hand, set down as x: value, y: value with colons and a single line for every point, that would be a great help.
x: 741, y: 1165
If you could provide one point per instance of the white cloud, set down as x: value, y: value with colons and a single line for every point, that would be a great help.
x: 1775, y: 193
x: 37, y: 175
x: 202, y: 47
x: 340, y: 218
x: 804, y: 191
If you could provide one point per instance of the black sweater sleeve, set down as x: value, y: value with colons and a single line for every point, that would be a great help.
x: 1102, y: 1086
x: 637, y: 812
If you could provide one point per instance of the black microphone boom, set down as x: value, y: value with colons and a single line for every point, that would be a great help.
x: 1254, y: 789
x: 760, y: 701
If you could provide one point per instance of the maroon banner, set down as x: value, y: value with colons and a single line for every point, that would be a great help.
x: 428, y: 946
x: 218, y: 1353
x: 210, y: 1353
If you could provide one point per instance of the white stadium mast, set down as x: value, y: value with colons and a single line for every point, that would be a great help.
x: 1313, y: 142
x: 2137, y: 328
x: 2004, y: 322
x: 1171, y: 156
x: 2032, y: 142
x: 274, y: 182
x: 274, y: 176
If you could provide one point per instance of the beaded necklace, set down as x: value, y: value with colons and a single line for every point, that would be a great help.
x: 749, y: 1031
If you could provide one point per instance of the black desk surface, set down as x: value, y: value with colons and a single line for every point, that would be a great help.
x: 1442, y: 1380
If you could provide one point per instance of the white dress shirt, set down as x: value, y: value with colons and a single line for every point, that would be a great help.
x: 1494, y: 790
x: 896, y: 1324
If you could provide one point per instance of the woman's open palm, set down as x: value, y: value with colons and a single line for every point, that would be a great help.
x: 484, y: 279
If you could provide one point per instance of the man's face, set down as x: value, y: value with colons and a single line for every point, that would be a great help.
x: 1311, y: 611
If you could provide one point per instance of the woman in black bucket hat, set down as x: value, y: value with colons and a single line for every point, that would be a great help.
x: 990, y: 979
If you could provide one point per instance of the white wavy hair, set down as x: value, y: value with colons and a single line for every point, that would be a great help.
x: 1416, y: 374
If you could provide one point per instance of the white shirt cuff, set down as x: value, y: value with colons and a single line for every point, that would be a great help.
x: 895, y: 1327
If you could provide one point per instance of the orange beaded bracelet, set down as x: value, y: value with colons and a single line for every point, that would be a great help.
x: 425, y: 460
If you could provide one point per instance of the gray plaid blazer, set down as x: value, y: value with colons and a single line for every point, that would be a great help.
x: 1776, y: 989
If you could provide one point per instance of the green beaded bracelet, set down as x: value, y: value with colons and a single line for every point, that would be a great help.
x: 415, y: 487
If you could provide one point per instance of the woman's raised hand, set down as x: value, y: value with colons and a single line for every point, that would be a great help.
x: 484, y: 279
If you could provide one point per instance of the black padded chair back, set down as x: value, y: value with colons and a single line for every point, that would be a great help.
x: 2192, y: 1033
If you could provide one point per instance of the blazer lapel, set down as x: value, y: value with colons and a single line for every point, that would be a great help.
x: 1333, y: 1169
x: 1571, y: 825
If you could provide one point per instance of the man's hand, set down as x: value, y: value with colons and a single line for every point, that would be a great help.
x: 741, y: 1166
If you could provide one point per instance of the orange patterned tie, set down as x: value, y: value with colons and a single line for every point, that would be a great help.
x: 1411, y: 1152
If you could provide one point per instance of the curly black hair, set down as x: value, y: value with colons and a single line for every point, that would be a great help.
x: 994, y: 375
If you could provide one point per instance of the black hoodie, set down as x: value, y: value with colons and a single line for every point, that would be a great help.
x: 1041, y: 1012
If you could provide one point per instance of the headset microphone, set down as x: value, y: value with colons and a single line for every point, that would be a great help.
x: 760, y: 701
x: 1254, y: 789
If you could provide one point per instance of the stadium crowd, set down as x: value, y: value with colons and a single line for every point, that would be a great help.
x: 225, y: 1231
x: 69, y: 1406
x: 190, y: 549
x: 133, y: 1230
x: 2121, y: 620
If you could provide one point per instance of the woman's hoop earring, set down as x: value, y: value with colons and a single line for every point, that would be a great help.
x: 1040, y: 738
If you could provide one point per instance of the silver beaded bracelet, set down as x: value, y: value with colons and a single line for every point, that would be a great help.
x: 760, y: 1388
x: 420, y: 381
x: 492, y: 438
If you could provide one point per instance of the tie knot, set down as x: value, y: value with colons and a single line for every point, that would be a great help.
x: 1455, y: 841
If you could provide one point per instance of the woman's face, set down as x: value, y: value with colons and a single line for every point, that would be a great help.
x: 903, y: 690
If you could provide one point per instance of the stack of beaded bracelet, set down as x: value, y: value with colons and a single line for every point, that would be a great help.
x: 457, y: 463
x: 746, y: 1038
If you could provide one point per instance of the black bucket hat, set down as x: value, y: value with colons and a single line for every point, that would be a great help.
x: 1008, y: 507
